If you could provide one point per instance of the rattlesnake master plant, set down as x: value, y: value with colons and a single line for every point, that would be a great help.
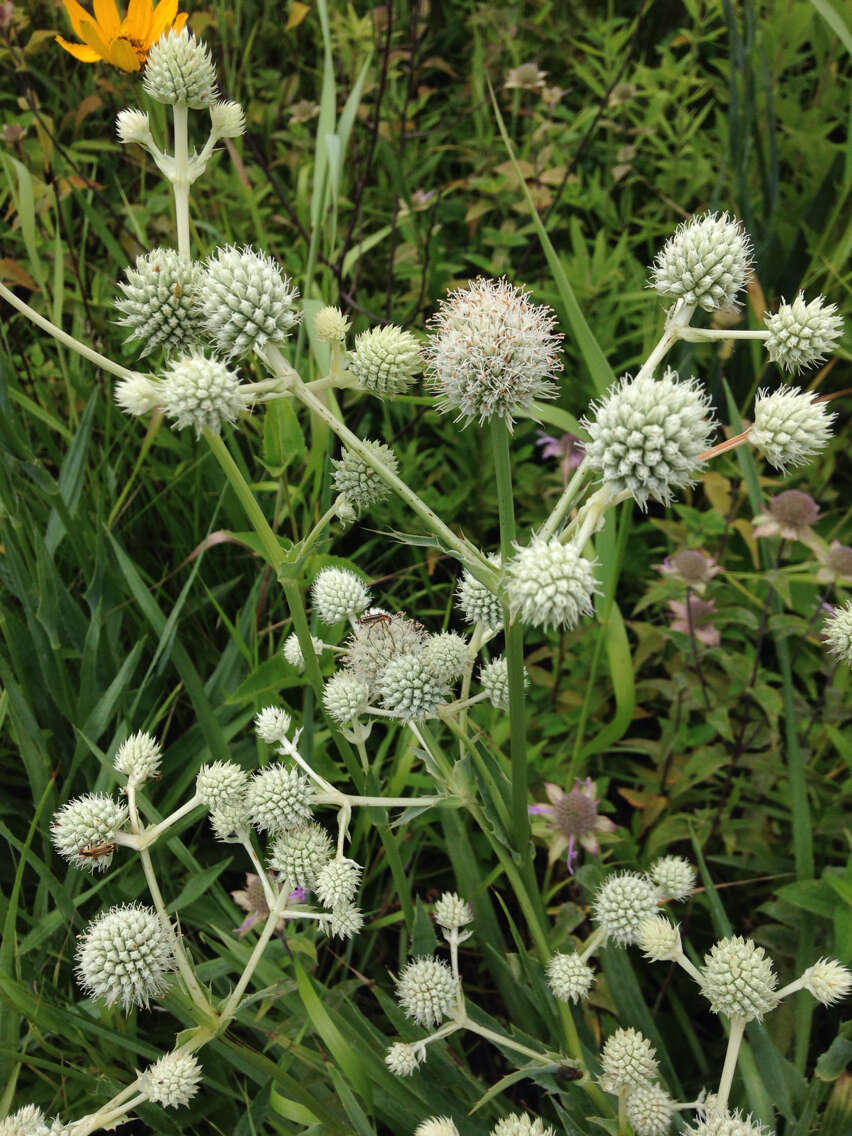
x: 491, y: 354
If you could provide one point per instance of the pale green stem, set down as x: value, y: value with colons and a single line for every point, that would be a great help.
x: 68, y: 340
x: 306, y: 543
x: 477, y: 640
x: 623, y: 1123
x: 508, y: 1042
x: 461, y: 704
x: 360, y: 802
x: 358, y: 738
x: 678, y: 318
x: 268, y: 893
x: 149, y: 835
x: 693, y: 972
x: 343, y: 818
x: 791, y: 988
x: 560, y: 510
x: 180, y: 179
x: 275, y: 911
x: 597, y: 939
x: 735, y: 1037
x: 698, y: 334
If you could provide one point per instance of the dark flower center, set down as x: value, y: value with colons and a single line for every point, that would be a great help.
x: 794, y: 508
x: 575, y: 814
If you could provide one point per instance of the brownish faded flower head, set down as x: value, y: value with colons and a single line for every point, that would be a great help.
x: 790, y: 515
x: 695, y: 619
x: 835, y: 564
x: 690, y: 567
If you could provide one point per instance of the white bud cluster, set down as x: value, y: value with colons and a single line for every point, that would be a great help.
x: 828, y: 981
x: 331, y: 325
x: 622, y: 903
x: 337, y: 883
x: 427, y: 991
x: 137, y: 395
x: 221, y: 784
x: 436, y: 1126
x: 403, y: 1059
x: 628, y: 1060
x: 738, y: 979
x: 31, y: 1121
x: 278, y: 798
x: 172, y: 1081
x: 447, y: 655
x: 659, y: 939
x: 521, y: 1124
x: 230, y: 820
x: 550, y: 584
x: 139, y: 757
x: 838, y: 633
x: 477, y: 603
x: 674, y: 876
x: 179, y: 71
x: 300, y: 853
x: 227, y: 120
x: 132, y: 125
x: 345, y: 697
x: 569, y: 977
x: 802, y: 335
x: 649, y: 1109
x: 385, y: 360
x: 705, y: 263
x: 201, y: 392
x: 124, y: 956
x: 410, y: 689
x: 790, y: 426
x: 344, y: 922
x: 245, y: 301
x: 157, y: 301
x: 378, y: 639
x: 358, y: 482
x: 452, y: 912
x: 84, y: 830
x: 717, y: 1122
x: 293, y: 650
x: 272, y: 725
x: 338, y: 594
x: 494, y: 677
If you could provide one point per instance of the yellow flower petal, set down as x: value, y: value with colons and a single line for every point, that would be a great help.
x: 108, y: 18
x: 77, y: 13
x: 180, y: 21
x: 164, y: 15
x: 122, y: 54
x: 137, y: 25
x: 79, y: 50
x: 91, y: 34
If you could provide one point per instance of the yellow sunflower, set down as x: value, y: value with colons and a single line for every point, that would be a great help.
x: 124, y: 43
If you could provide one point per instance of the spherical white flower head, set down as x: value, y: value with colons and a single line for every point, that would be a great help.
x: 331, y: 325
x: 452, y: 912
x: 436, y: 1126
x: 278, y: 798
x: 659, y: 939
x: 427, y: 991
x: 705, y: 263
x: 622, y: 903
x: 550, y: 584
x: 172, y: 1081
x: 628, y: 1060
x: 345, y: 922
x: 674, y: 876
x: 124, y: 956
x: 337, y: 882
x: 293, y: 650
x: 137, y: 395
x: 492, y: 351
x: 647, y: 433
x: 569, y: 977
x: 84, y: 830
x: 139, y: 757
x: 337, y: 594
x: 409, y: 689
x: 403, y: 1059
x: 229, y: 820
x: 358, y: 482
x: 447, y: 655
x: 227, y: 120
x: 716, y: 1123
x: 385, y: 360
x: 521, y: 1124
x: 179, y: 71
x: 245, y: 300
x: 27, y: 1121
x: 345, y: 697
x: 375, y: 642
x: 494, y: 677
x: 838, y: 633
x: 132, y: 125
x: 828, y: 981
x: 157, y: 301
x: 477, y: 603
x: 738, y: 979
x: 221, y: 783
x: 790, y: 426
x: 802, y: 335
x: 300, y: 853
x: 201, y: 392
x: 650, y: 1110
x: 272, y: 724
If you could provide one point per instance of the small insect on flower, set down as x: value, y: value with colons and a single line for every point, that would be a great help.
x: 98, y: 851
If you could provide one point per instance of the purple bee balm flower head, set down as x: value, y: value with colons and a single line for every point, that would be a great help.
x: 691, y: 567
x: 568, y: 450
x: 695, y: 619
x: 573, y: 819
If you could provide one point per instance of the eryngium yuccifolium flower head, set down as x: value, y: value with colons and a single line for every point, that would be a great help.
x: 278, y: 798
x: 477, y: 603
x: 628, y: 1060
x: 491, y: 351
x: 725, y: 1123
x: 138, y: 395
x: 569, y: 977
x: 132, y: 125
x: 124, y: 955
x: 403, y: 1059
x: 385, y: 360
x: 705, y: 263
x: 345, y: 922
x: 409, y: 689
x: 221, y: 783
x: 649, y: 1109
x: 172, y: 1081
x: 227, y: 120
x: 83, y: 830
x: 157, y: 301
x: 337, y: 882
x: 521, y: 1124
x: 358, y: 482
x: 837, y: 633
x: 790, y: 426
x: 436, y: 1126
x: 550, y: 584
x: 201, y: 392
x: 245, y: 300
x: 622, y: 903
x: 293, y: 650
x: 494, y: 677
x: 658, y: 939
x: 179, y: 70
x: 828, y: 981
x: 230, y: 819
x: 337, y: 594
x: 139, y: 757
x: 647, y: 433
x: 427, y: 991
x: 674, y: 876
x: 452, y: 912
x: 345, y: 697
x: 802, y: 335
x: 447, y: 655
x: 331, y: 325
x: 300, y: 853
x: 739, y: 979
x: 272, y: 724
x: 27, y: 1121
x: 375, y: 642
